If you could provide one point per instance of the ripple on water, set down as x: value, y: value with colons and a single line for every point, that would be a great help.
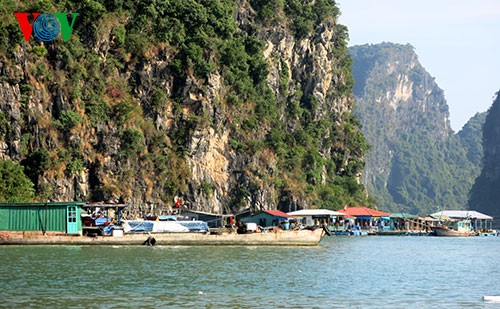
x: 353, y: 272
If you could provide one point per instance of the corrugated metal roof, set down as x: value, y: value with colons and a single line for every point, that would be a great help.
x: 403, y: 215
x: 315, y: 212
x: 277, y: 213
x: 364, y: 212
x: 462, y: 214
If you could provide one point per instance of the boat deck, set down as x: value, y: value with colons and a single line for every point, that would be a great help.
x: 274, y: 238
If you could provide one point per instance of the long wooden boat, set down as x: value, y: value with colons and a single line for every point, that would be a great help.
x: 272, y: 238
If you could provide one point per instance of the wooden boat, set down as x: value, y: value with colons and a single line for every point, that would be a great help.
x: 447, y: 232
x: 303, y: 237
x: 460, y: 228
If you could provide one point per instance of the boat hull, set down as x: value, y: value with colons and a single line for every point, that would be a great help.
x: 444, y: 232
x: 273, y: 238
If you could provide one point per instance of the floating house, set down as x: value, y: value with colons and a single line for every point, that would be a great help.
x: 404, y: 224
x: 480, y: 222
x: 408, y: 222
x: 364, y: 217
x: 267, y: 218
x: 402, y: 221
x: 62, y: 217
x: 316, y: 216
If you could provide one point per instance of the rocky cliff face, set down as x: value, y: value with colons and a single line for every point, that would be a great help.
x: 223, y: 105
x: 416, y: 162
x: 484, y: 194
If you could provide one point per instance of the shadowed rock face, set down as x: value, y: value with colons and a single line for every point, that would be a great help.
x: 485, y: 195
x: 123, y: 115
x: 416, y: 163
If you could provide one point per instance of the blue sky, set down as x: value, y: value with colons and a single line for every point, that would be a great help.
x: 457, y: 42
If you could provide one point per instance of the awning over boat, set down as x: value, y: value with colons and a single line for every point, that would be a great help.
x: 316, y: 212
x: 131, y: 226
x: 461, y: 214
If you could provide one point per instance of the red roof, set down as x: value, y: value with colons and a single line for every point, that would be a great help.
x: 363, y: 211
x: 278, y: 213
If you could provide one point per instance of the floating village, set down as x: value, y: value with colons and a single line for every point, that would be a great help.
x: 78, y: 223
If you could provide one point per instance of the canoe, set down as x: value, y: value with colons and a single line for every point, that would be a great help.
x: 272, y: 238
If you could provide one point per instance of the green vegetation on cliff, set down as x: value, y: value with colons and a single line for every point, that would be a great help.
x: 484, y: 194
x: 14, y: 185
x: 471, y: 137
x: 119, y: 111
x: 416, y: 163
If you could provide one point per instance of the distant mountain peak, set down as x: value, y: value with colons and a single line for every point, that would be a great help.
x: 416, y: 162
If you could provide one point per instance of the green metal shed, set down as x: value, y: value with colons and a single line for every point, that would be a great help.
x: 45, y: 217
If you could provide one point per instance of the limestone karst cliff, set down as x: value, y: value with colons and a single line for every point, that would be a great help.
x: 229, y: 105
x: 416, y: 163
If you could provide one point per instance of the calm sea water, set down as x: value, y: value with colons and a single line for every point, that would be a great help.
x: 342, y: 272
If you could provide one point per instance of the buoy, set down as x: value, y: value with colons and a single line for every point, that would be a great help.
x: 200, y: 292
x: 150, y: 241
x: 494, y: 299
